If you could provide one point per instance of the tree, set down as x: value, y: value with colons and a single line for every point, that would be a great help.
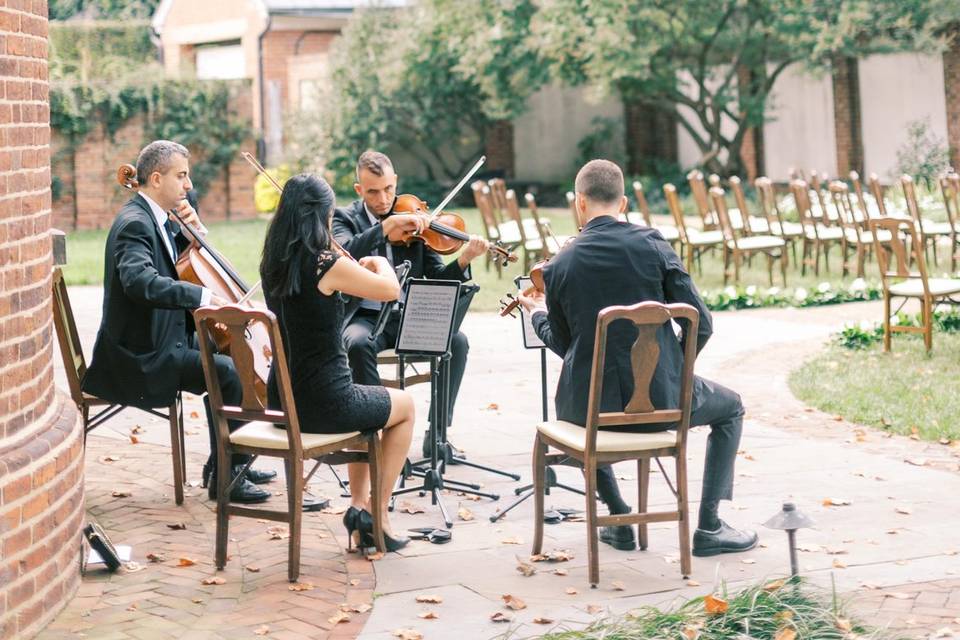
x: 430, y: 79
x: 711, y: 66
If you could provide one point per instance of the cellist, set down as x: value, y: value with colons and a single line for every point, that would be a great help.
x: 146, y: 348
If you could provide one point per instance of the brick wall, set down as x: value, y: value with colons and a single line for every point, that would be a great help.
x: 90, y: 196
x: 846, y: 112
x: 951, y: 82
x: 751, y: 149
x: 41, y: 464
x: 651, y: 136
x: 498, y: 147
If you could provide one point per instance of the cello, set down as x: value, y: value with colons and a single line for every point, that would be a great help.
x: 202, y: 265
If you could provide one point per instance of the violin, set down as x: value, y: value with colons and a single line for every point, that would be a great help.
x: 446, y: 232
x: 202, y: 265
x: 508, y: 306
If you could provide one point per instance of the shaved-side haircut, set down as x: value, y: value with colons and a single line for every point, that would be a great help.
x: 373, y: 161
x: 600, y: 181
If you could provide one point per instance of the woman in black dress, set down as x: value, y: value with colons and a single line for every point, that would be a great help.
x: 303, y: 278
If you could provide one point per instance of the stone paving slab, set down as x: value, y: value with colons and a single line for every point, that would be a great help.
x: 751, y: 352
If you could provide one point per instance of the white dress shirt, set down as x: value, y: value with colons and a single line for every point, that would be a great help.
x: 160, y: 218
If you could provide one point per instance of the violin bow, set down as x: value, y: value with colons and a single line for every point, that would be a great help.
x: 450, y: 196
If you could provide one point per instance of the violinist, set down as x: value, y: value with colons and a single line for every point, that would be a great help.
x: 366, y: 228
x: 618, y: 263
x: 146, y: 348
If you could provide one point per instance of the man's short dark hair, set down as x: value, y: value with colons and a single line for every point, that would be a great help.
x: 157, y: 156
x: 600, y: 181
x: 373, y: 161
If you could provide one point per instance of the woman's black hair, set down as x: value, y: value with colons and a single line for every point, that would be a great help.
x: 297, y: 234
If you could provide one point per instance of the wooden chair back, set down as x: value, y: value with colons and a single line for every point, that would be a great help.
x: 768, y: 202
x: 483, y: 200
x: 498, y: 196
x: 861, y: 201
x: 513, y: 212
x: 234, y: 321
x: 741, y: 199
x: 549, y: 244
x: 698, y: 187
x: 840, y: 196
x: 876, y: 189
x: 910, y: 196
x: 801, y: 198
x: 71, y: 350
x: 950, y: 188
x: 894, y: 256
x: 816, y: 185
x: 648, y: 317
x: 673, y: 204
x: 642, y: 204
x: 723, y: 217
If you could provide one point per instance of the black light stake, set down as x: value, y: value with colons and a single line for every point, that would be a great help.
x: 790, y: 519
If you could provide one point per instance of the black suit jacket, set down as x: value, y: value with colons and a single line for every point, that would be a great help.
x: 613, y: 263
x: 352, y: 229
x: 144, y: 330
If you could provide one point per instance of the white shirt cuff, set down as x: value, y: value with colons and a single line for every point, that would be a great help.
x: 205, y: 295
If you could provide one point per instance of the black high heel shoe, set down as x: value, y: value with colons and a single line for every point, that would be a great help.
x: 365, y: 524
x: 351, y: 518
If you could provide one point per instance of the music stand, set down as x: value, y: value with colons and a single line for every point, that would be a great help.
x: 532, y: 341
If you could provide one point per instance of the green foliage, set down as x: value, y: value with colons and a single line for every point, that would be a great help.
x: 605, y: 140
x: 923, y: 156
x: 102, y: 9
x: 684, y: 58
x: 196, y: 114
x: 752, y: 297
x: 864, y: 334
x: 102, y: 51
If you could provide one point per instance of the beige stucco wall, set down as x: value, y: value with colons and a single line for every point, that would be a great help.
x: 897, y: 89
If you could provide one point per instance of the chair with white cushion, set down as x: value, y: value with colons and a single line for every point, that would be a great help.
x: 668, y: 231
x: 900, y: 282
x: 857, y: 236
x: 931, y: 231
x: 818, y: 237
x: 598, y: 443
x: 693, y: 242
x: 270, y: 432
x: 738, y: 246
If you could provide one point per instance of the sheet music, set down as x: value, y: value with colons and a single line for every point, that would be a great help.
x: 530, y: 338
x: 428, y: 317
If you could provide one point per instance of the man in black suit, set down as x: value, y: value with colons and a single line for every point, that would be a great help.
x: 365, y: 228
x: 618, y: 263
x: 146, y: 349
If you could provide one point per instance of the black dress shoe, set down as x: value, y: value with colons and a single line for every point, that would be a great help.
x: 619, y: 537
x: 256, y: 476
x: 243, y: 491
x: 365, y: 525
x: 726, y: 539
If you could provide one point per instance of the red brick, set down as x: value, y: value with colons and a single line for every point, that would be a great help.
x: 20, y: 592
x: 16, y: 489
x: 16, y: 542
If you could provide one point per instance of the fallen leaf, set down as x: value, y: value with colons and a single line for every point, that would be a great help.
x: 334, y: 511
x: 252, y: 569
x: 177, y: 526
x: 898, y: 595
x: 186, y: 562
x: 559, y: 572
x: 542, y: 621
x: 354, y: 582
x: 133, y: 567
x: 903, y: 510
x: 693, y: 583
x: 262, y: 630
x: 109, y: 459
x: 493, y: 406
x: 810, y: 548
x: 512, y: 540
x: 500, y: 616
x: 213, y: 580
x: 278, y: 532
x: 429, y: 598
x: 917, y: 462
x: 835, y: 551
x: 513, y: 602
x: 786, y: 633
x: 407, y: 634
x: 773, y: 586
x: 783, y: 616
x: 465, y: 514
x: 748, y: 561
x: 341, y: 616
x: 844, y: 625
x: 363, y: 607
x: 196, y: 600
x: 406, y: 506
x: 690, y: 631
x: 136, y: 429
x: 194, y: 415
x: 594, y: 609
x: 134, y: 439
x: 836, y: 502
x: 618, y: 586
x: 839, y: 564
x: 572, y: 591
x: 713, y: 604
x: 132, y: 606
x: 301, y: 586
x: 525, y: 568
x: 625, y: 477
x: 156, y: 557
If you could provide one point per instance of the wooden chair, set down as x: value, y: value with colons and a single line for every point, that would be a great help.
x: 693, y: 242
x: 272, y: 432
x: 789, y: 231
x: 737, y: 246
x: 855, y: 234
x: 533, y: 248
x: 876, y: 190
x: 950, y: 188
x: 96, y: 411
x: 865, y: 210
x: 592, y: 445
x: 498, y: 193
x: 899, y: 282
x: 668, y: 231
x: 751, y: 224
x: 506, y: 235
x: 818, y: 202
x: 550, y: 243
x: 817, y: 237
x: 698, y: 189
x: 930, y: 231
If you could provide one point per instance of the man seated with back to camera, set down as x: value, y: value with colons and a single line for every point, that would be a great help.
x: 618, y: 263
x: 366, y: 228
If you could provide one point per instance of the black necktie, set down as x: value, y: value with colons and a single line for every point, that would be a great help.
x: 168, y: 225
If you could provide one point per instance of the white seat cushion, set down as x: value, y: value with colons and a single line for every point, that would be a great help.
x: 936, y: 228
x: 704, y: 237
x: 759, y: 242
x: 269, y: 436
x: 867, y: 237
x: 759, y: 225
x: 575, y: 436
x: 790, y: 229
x: 633, y: 217
x: 670, y: 234
x: 825, y: 233
x: 914, y: 287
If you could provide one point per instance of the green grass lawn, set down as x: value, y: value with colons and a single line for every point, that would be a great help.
x: 900, y: 391
x: 242, y: 241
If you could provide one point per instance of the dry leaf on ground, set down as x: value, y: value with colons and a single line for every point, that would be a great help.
x: 512, y: 540
x: 594, y: 609
x: 429, y: 615
x: 354, y: 582
x: 836, y: 502
x: 407, y: 634
x: 109, y: 459
x: 617, y: 585
x: 773, y: 586
x: 571, y: 591
x: 917, y: 462
x: 340, y: 616
x: 898, y: 595
x: 252, y: 569
x: 748, y: 561
x: 559, y: 572
x: 903, y: 510
x: 513, y: 602
x: 177, y: 526
x: 156, y: 557
x: 465, y: 514
x: 132, y: 606
x: 262, y: 630
x: 406, y: 506
x: 540, y: 620
x: 500, y: 616
x: 693, y: 583
x: 301, y: 586
x: 839, y: 564
x: 844, y: 625
x: 493, y: 406
x: 186, y: 562
x: 525, y: 568
x: 194, y: 415
x: 133, y: 567
x: 196, y: 600
x: 429, y: 598
x: 713, y: 604
x: 786, y: 633
x: 134, y: 439
x: 278, y: 533
x: 213, y: 580
x: 810, y: 548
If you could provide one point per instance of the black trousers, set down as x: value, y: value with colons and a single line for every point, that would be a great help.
x: 721, y: 409
x: 192, y: 380
x: 362, y: 351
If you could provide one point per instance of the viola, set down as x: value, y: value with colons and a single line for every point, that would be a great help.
x: 510, y: 304
x: 446, y: 233
x: 202, y: 265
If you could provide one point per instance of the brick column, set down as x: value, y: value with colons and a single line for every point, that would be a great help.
x: 498, y: 147
x: 951, y: 83
x: 41, y: 462
x: 651, y: 136
x: 751, y: 149
x: 846, y: 116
